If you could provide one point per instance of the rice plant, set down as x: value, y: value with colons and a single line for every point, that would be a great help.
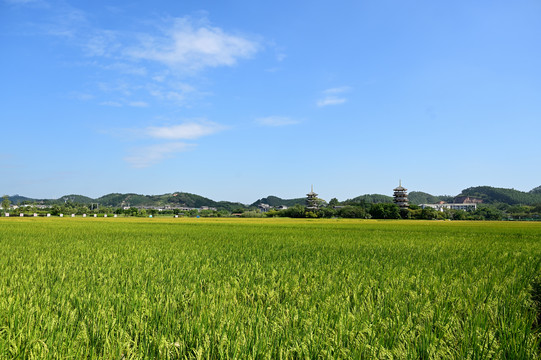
x: 268, y: 289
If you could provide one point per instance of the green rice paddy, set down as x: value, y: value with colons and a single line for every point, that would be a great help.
x: 130, y: 288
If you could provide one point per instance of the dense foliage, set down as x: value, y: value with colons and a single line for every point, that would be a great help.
x: 488, y: 194
x: 276, y: 201
x: 419, y: 197
x: 497, y: 204
x: 272, y: 288
x: 116, y: 200
x: 370, y: 199
x: 500, y: 195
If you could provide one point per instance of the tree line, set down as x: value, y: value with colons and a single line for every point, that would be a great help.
x: 366, y: 210
x: 332, y: 209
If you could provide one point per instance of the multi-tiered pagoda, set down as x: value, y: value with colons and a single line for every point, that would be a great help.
x: 312, y: 202
x: 401, y: 196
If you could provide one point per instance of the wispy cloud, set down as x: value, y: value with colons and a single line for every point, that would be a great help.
x: 337, y: 90
x: 188, y: 130
x: 333, y: 96
x: 150, y: 155
x: 146, y: 156
x: 276, y: 121
x: 69, y: 23
x: 155, y: 64
x: 331, y: 100
x: 138, y: 104
x: 80, y: 96
x: 159, y: 56
x: 111, y: 103
x: 194, y: 45
x: 101, y: 43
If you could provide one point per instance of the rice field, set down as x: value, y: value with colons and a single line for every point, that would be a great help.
x: 132, y: 288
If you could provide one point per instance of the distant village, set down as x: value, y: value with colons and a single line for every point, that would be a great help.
x: 313, y: 207
x: 460, y: 208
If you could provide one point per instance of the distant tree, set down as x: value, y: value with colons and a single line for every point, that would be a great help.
x: 377, y: 211
x: 352, y: 212
x: 428, y: 213
x: 385, y: 211
x: 333, y: 202
x: 296, y: 211
x: 488, y: 213
x: 392, y: 211
x: 55, y: 210
x: 326, y: 212
x: 272, y: 213
x: 405, y: 213
x: 5, y: 202
x: 459, y: 215
x: 252, y: 214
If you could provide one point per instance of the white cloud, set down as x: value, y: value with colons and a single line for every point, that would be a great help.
x: 276, y: 121
x: 111, y: 103
x: 81, y: 96
x: 123, y: 68
x: 162, y: 53
x: 153, y: 154
x: 190, y: 45
x: 69, y: 23
x: 101, y: 43
x: 146, y: 156
x: 337, y: 90
x: 138, y: 104
x: 332, y: 96
x: 189, y: 130
x: 330, y: 100
x: 177, y: 92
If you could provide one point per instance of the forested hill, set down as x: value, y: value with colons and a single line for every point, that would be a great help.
x: 172, y: 199
x: 491, y: 195
x: 488, y: 194
x: 276, y: 201
x: 369, y: 199
x: 419, y: 197
x: 121, y: 200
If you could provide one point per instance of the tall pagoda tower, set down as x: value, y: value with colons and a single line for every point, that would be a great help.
x: 312, y: 200
x: 401, y: 196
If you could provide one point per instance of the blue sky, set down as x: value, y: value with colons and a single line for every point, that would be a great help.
x: 238, y: 100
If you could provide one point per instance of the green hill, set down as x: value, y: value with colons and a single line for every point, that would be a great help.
x: 369, y: 199
x: 419, y: 197
x: 77, y: 199
x: 116, y: 200
x: 18, y: 199
x: 491, y: 195
x: 276, y: 201
x: 488, y: 194
x: 172, y: 199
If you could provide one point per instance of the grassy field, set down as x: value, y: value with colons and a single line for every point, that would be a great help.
x: 132, y: 288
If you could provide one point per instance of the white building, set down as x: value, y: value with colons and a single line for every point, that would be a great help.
x: 441, y: 207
